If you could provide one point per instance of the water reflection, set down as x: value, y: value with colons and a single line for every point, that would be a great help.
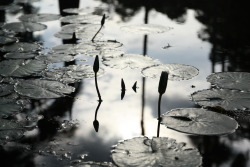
x: 224, y: 27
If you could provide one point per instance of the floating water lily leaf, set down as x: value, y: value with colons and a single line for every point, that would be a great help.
x: 21, y: 68
x: 17, y: 55
x: 42, y: 17
x: 224, y: 98
x: 55, y: 58
x: 20, y: 47
x: 81, y: 18
x: 146, y: 29
x: 72, y: 48
x: 199, y: 121
x: 24, y: 26
x: 176, y: 72
x: 9, y: 106
x: 79, y: 10
x: 72, y: 73
x: 160, y: 151
x: 129, y: 60
x: 7, y: 40
x: 39, y: 89
x: 6, y: 89
x: 231, y: 80
x: 70, y: 28
x: 94, y: 164
x: 86, y: 35
x: 10, y: 130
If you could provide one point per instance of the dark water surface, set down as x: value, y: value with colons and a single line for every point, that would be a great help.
x: 211, y: 36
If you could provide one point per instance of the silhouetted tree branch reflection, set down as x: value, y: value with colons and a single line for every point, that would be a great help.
x: 96, y: 122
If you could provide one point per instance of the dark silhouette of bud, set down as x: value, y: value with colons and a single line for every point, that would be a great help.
x: 96, y: 125
x: 163, y: 82
x: 96, y: 64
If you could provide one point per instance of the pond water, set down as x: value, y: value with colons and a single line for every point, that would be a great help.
x: 210, y: 36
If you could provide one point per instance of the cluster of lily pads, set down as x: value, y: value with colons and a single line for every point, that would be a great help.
x: 24, y: 75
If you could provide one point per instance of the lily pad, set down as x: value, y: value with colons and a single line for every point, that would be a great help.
x: 199, y: 121
x: 9, y: 106
x: 81, y: 18
x: 86, y: 35
x: 21, y: 68
x: 70, y: 28
x: 158, y: 151
x: 7, y: 40
x: 42, y: 17
x: 79, y: 10
x: 20, y: 47
x: 146, y: 29
x: 72, y: 73
x: 24, y: 26
x: 72, y: 48
x: 176, y: 72
x: 6, y: 89
x: 224, y: 98
x: 55, y: 58
x: 94, y: 164
x: 231, y: 80
x: 41, y: 89
x: 129, y: 60
x: 17, y: 55
x: 10, y: 130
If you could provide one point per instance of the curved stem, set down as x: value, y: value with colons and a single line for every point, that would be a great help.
x: 159, y: 115
x: 96, y: 33
x: 97, y: 89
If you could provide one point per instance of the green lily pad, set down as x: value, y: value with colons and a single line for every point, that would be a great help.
x: 24, y: 26
x: 21, y: 47
x: 81, y: 18
x: 146, y: 29
x: 72, y: 73
x: 6, y: 89
x: 158, y: 151
x: 17, y: 55
x: 224, y: 98
x: 21, y: 68
x: 41, y: 89
x: 55, y: 58
x: 199, y: 121
x: 129, y: 60
x: 176, y: 72
x: 231, y: 80
x: 42, y: 17
x: 10, y: 130
x: 9, y: 106
x: 7, y: 40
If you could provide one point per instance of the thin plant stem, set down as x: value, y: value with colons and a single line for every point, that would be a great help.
x: 159, y: 115
x: 96, y: 33
x: 97, y: 89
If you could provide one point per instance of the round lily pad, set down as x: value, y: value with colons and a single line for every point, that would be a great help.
x: 224, y: 98
x: 6, y: 89
x: 7, y: 40
x: 72, y: 73
x: 146, y: 29
x: 24, y: 26
x: 231, y: 80
x: 55, y: 58
x: 158, y: 151
x: 79, y: 10
x: 176, y: 72
x: 41, y: 89
x: 70, y: 28
x: 81, y: 18
x: 72, y: 48
x: 85, y: 35
x: 9, y: 106
x: 94, y: 164
x: 18, y: 55
x: 21, y: 68
x: 41, y: 17
x: 10, y: 130
x: 20, y: 47
x: 129, y: 60
x: 199, y: 121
